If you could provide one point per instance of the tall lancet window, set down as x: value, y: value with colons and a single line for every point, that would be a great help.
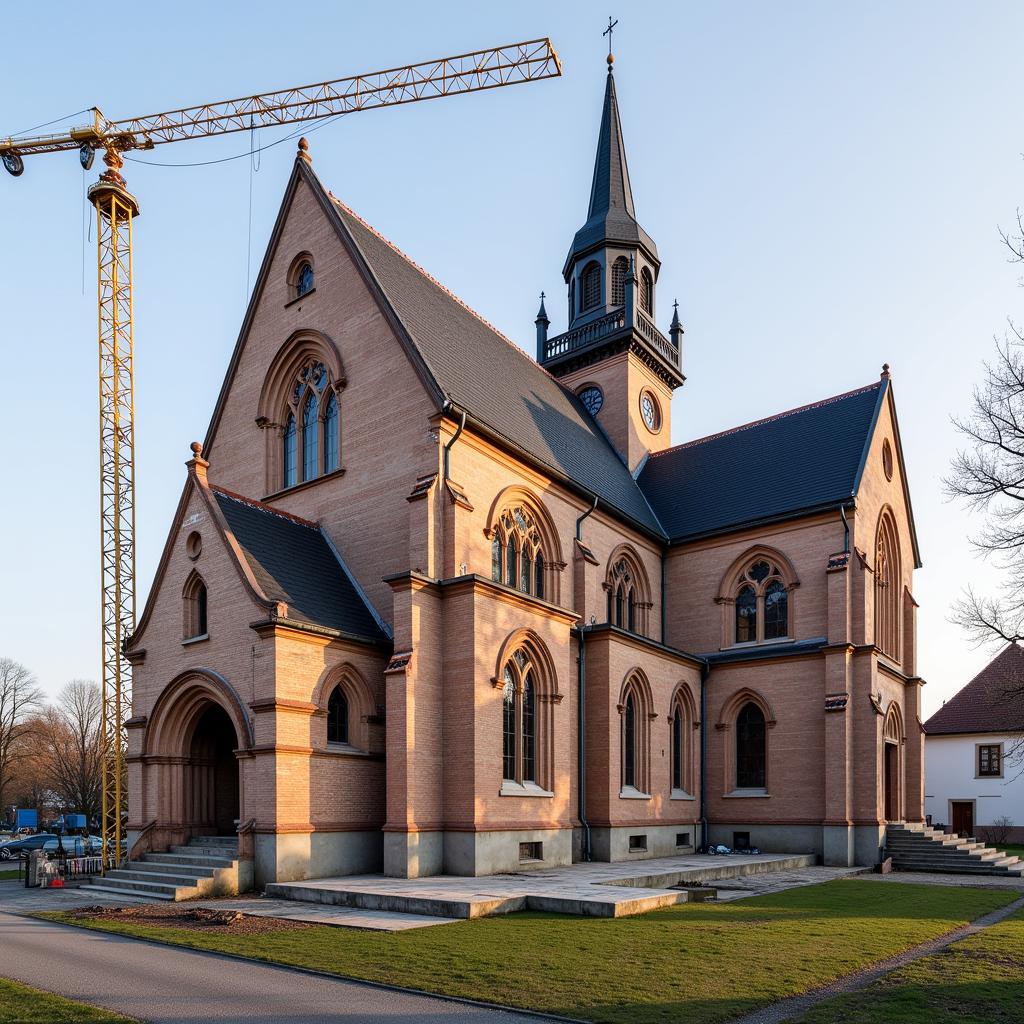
x: 647, y: 292
x: 290, y: 448
x: 591, y: 291
x: 312, y: 435
x: 331, y: 435
x: 619, y: 268
x: 310, y: 438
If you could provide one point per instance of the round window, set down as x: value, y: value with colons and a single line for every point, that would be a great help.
x: 887, y: 459
x: 650, y: 410
x: 194, y: 545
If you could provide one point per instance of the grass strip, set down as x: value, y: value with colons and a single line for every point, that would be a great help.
x: 979, y: 980
x: 20, y: 1004
x: 696, y: 962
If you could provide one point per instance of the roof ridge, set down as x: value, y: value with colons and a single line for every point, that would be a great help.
x: 263, y: 507
x: 444, y: 288
x: 769, y: 419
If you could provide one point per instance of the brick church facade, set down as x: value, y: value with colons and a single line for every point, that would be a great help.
x: 431, y: 605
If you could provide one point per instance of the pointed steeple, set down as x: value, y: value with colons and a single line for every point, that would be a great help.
x: 611, y: 216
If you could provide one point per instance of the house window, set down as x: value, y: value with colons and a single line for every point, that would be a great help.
x: 517, y: 553
x: 311, y: 435
x: 337, y: 717
x: 990, y: 760
x: 628, y: 601
x: 750, y: 747
x: 629, y: 743
x: 509, y: 708
x: 887, y: 588
x: 591, y: 287
x: 677, y: 749
x: 634, y: 737
x: 522, y: 720
x: 647, y: 292
x: 619, y: 268
x: 761, y: 603
x: 304, y: 280
x: 195, y: 608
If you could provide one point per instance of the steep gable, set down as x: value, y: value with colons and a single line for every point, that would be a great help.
x: 993, y: 701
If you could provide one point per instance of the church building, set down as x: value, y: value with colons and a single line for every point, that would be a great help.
x: 431, y: 605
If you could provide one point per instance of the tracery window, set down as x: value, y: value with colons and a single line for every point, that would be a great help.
x: 627, y: 595
x: 619, y: 268
x: 519, y: 761
x: 312, y: 403
x: 751, y: 747
x: 761, y: 603
x: 887, y: 588
x: 337, y: 717
x: 647, y: 292
x: 590, y: 292
x: 517, y: 554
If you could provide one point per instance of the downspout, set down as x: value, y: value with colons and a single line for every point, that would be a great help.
x: 579, y: 519
x: 705, y: 671
x: 664, y: 603
x: 581, y: 703
x: 448, y: 447
x: 846, y: 530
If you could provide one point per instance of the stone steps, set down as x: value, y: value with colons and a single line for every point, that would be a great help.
x: 927, y: 849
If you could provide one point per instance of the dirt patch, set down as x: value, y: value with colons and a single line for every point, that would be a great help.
x: 200, y: 919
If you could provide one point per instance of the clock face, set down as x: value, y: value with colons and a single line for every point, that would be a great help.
x: 649, y: 408
x: 593, y: 399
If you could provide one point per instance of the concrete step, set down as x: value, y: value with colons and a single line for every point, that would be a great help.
x: 206, y: 850
x: 134, y: 895
x: 186, y: 860
x: 167, y: 890
x: 176, y: 878
x: 944, y: 867
x: 231, y: 841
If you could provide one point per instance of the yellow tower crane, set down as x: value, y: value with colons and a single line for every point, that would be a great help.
x: 116, y: 208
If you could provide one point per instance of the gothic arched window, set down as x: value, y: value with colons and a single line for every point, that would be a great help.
x: 647, y: 292
x: 337, y: 716
x: 887, y: 588
x: 677, y: 749
x: 761, y: 602
x: 680, y: 752
x: 628, y: 599
x: 304, y: 280
x: 590, y: 292
x: 195, y: 608
x: 525, y: 720
x: 635, y: 734
x: 751, y: 748
x: 509, y: 705
x: 619, y: 268
x: 517, y: 554
x: 629, y: 742
x: 311, y: 436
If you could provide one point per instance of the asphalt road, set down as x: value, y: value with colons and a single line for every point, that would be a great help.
x: 177, y: 986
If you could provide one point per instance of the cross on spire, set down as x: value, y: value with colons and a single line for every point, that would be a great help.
x: 608, y: 32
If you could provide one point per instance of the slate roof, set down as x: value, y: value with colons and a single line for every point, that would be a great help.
x: 293, y: 562
x: 986, y: 703
x: 494, y: 380
x: 806, y: 459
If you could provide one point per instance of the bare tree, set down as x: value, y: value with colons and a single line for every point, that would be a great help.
x: 70, y: 740
x: 19, y: 698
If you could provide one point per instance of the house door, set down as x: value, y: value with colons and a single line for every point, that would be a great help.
x: 891, y: 781
x: 962, y: 813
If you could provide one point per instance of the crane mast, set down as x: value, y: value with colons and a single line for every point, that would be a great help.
x: 116, y: 209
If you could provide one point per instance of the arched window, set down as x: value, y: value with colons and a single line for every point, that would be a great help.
x: 313, y: 404
x: 290, y: 449
x: 887, y: 587
x: 310, y: 436
x: 677, y: 747
x: 525, y: 720
x: 628, y: 600
x: 619, y: 268
x: 761, y: 602
x: 750, y: 748
x: 331, y: 435
x: 634, y: 711
x: 629, y: 743
x: 337, y: 717
x: 195, y: 608
x: 647, y: 292
x: 304, y: 280
x: 590, y: 292
x: 517, y: 555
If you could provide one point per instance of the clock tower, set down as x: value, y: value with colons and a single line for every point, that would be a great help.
x: 613, y: 355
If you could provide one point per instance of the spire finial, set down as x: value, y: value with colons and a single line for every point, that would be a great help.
x: 885, y: 371
x: 303, y: 152
x: 675, y: 314
x: 542, y: 313
x: 608, y: 32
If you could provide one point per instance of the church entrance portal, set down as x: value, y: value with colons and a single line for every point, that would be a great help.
x: 214, y: 791
x: 891, y: 781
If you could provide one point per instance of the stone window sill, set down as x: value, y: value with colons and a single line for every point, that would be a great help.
x: 631, y: 793
x: 302, y: 484
x: 345, y: 748
x: 509, y: 788
x: 746, y: 794
x: 299, y: 298
x: 195, y: 639
x: 744, y: 645
x: 681, y: 794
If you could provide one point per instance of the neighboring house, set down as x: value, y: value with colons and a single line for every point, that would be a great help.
x: 430, y: 604
x: 974, y: 752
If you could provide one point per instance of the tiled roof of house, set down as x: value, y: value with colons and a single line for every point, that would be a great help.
x: 293, y: 562
x: 495, y: 381
x: 798, y: 461
x: 993, y: 701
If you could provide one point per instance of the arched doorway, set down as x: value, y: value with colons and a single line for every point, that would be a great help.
x: 892, y: 736
x: 213, y: 796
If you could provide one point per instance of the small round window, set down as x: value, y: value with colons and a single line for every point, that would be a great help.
x: 592, y: 398
x: 651, y: 411
x: 194, y: 545
x: 887, y: 459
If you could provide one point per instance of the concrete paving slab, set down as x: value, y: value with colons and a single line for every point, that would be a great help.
x: 314, y: 913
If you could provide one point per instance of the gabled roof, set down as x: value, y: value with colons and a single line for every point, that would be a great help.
x: 611, y: 216
x: 796, y: 462
x: 993, y: 701
x: 479, y: 370
x: 293, y: 562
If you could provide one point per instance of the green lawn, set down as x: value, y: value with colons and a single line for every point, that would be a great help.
x: 977, y: 981
x: 6, y: 874
x: 1014, y: 851
x: 699, y: 962
x: 20, y: 1004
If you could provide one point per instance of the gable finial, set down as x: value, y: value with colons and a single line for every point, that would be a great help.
x: 885, y: 372
x: 303, y: 151
x: 608, y: 32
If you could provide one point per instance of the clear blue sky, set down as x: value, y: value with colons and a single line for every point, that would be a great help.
x: 824, y: 182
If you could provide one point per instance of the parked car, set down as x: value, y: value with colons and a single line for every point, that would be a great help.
x: 74, y: 846
x: 10, y: 850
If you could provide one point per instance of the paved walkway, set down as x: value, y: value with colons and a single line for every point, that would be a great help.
x: 163, y: 985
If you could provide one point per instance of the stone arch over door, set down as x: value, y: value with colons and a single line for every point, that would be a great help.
x: 196, y: 736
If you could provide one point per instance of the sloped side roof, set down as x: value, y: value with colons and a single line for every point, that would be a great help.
x: 497, y: 383
x: 798, y: 461
x: 292, y: 562
x: 993, y: 701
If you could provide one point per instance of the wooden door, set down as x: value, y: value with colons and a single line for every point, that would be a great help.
x: 891, y: 781
x: 963, y: 817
